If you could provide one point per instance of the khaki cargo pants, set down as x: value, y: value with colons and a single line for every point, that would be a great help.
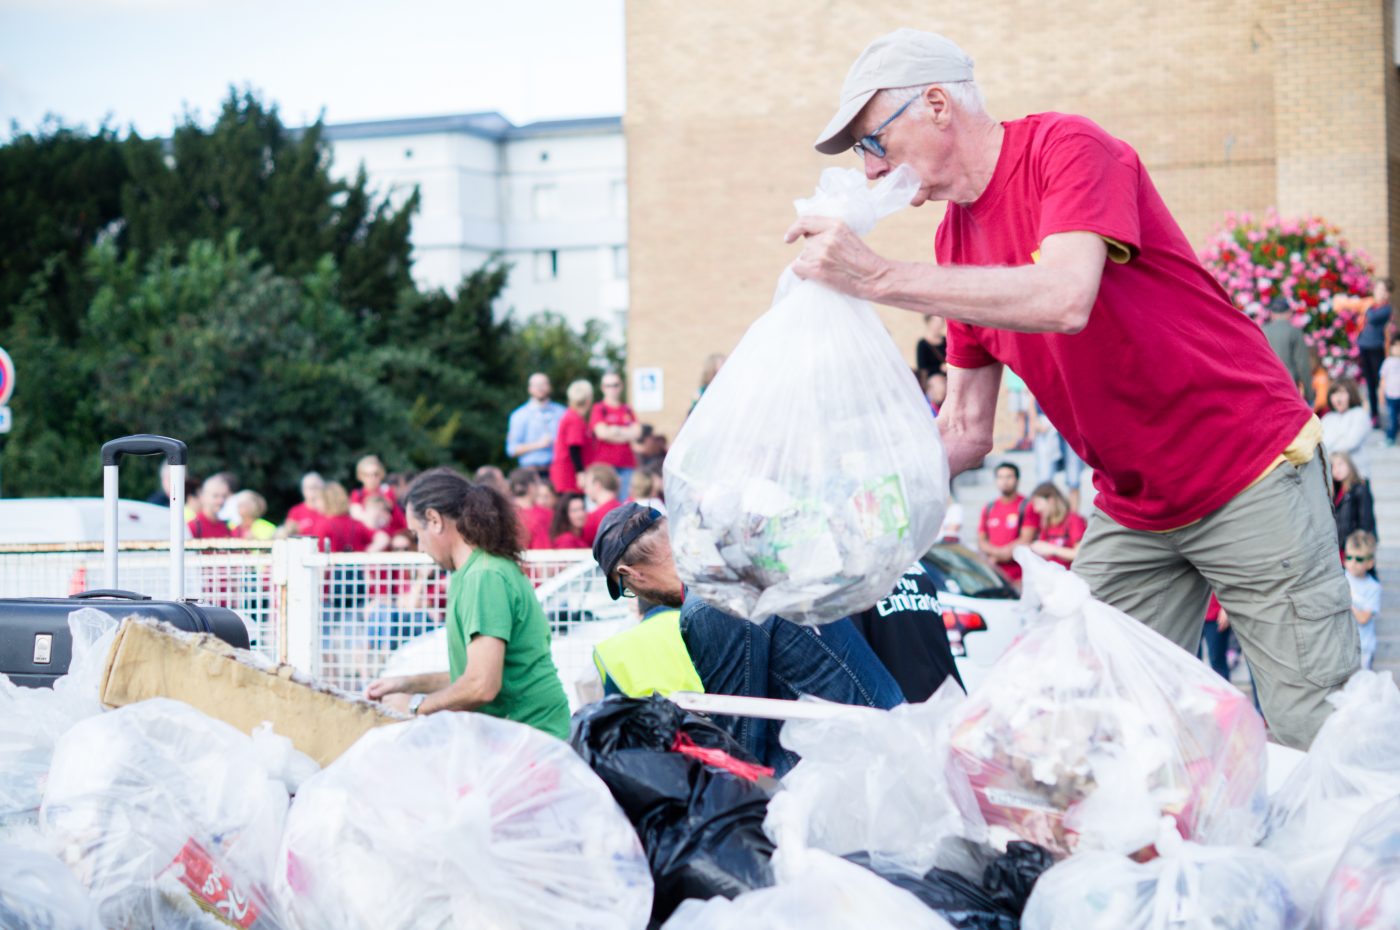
x: 1270, y: 555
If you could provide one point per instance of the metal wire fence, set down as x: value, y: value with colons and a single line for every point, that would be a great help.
x: 344, y: 618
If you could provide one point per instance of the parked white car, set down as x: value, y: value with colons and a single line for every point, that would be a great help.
x: 982, y: 612
x: 63, y: 520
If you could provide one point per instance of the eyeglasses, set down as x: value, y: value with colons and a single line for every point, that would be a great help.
x: 623, y: 589
x: 1359, y: 558
x: 612, y: 384
x: 871, y: 143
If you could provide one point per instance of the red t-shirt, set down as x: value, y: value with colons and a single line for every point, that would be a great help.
x: 616, y: 454
x: 590, y: 525
x: 341, y: 534
x: 1068, y: 532
x: 569, y: 541
x: 1001, y: 523
x: 573, y: 431
x: 201, y: 527
x: 1170, y: 393
x: 534, y: 527
x: 304, y: 516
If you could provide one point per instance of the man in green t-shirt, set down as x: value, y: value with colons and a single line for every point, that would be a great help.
x: 499, y: 660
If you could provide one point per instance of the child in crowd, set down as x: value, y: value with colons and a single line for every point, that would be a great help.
x: 1390, y: 389
x: 1365, y: 590
x: 566, y: 532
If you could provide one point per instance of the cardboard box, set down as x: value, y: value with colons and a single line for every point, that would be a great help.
x: 151, y: 659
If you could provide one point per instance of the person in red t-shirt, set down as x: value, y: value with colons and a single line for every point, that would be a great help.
x: 302, y: 517
x: 573, y: 444
x: 335, y: 530
x: 600, y: 486
x: 534, y: 519
x: 615, y: 428
x: 1060, y: 530
x: 206, y: 523
x: 566, y: 529
x: 1057, y: 258
x: 1006, y: 523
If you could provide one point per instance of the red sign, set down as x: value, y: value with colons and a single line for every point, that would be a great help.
x: 7, y: 378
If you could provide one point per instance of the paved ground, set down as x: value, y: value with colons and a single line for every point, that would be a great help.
x: 974, y: 489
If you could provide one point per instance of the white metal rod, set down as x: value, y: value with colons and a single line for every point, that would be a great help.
x: 109, y: 529
x: 177, y: 532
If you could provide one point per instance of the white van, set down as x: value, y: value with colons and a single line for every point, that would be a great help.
x: 62, y: 520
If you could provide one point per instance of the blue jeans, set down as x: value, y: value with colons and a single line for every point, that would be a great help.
x: 780, y: 659
x: 1392, y: 409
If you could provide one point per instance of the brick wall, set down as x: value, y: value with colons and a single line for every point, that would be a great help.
x: 1232, y: 105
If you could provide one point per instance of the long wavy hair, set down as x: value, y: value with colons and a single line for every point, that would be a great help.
x: 482, y: 515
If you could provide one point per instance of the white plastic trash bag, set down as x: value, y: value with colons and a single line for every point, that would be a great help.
x: 460, y: 821
x: 1363, y: 891
x: 1092, y: 726
x: 815, y: 891
x: 32, y: 719
x: 811, y: 473
x: 1189, y: 887
x: 37, y: 892
x: 1353, y: 765
x: 166, y: 815
x: 877, y: 781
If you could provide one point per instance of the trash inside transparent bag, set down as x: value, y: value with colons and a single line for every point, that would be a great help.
x: 1092, y: 726
x: 815, y: 891
x: 1187, y: 887
x: 32, y: 719
x: 165, y: 814
x: 1352, y: 765
x: 37, y: 892
x: 461, y: 820
x: 1363, y: 891
x: 878, y: 781
x: 811, y: 473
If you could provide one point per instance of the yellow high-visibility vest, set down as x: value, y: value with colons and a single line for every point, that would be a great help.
x: 650, y: 658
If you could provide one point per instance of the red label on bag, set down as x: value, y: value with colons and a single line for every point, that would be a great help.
x: 212, y: 889
x: 720, y: 759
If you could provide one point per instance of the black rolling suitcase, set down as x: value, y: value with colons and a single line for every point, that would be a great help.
x: 35, y: 645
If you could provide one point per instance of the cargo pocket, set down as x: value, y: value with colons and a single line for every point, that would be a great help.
x: 1329, y: 646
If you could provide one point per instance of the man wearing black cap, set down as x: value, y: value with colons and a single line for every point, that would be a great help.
x: 726, y: 654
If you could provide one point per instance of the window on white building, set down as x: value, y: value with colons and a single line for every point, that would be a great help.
x: 618, y: 198
x: 619, y: 262
x: 547, y: 265
x: 544, y: 201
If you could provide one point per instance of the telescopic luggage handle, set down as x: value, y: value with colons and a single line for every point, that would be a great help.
x: 177, y: 456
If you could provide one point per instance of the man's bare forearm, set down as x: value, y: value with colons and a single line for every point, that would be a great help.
x: 1025, y: 298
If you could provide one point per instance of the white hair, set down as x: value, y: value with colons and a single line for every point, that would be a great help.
x: 966, y: 95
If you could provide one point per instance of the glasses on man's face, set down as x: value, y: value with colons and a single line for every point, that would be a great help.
x: 870, y: 145
x: 623, y: 589
x: 1359, y: 558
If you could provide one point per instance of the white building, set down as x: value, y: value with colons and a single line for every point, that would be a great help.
x: 550, y: 197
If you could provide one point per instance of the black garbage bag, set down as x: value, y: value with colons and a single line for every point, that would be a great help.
x: 995, y: 903
x: 695, y: 797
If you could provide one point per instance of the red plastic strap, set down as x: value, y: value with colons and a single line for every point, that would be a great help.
x: 720, y: 759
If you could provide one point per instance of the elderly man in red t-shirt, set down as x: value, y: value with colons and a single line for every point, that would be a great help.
x: 1058, y: 258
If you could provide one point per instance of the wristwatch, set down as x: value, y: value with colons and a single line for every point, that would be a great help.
x: 416, y: 702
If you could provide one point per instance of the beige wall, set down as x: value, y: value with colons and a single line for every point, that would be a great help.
x: 1232, y: 105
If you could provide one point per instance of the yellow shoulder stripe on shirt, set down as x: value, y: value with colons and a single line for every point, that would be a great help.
x: 1118, y: 253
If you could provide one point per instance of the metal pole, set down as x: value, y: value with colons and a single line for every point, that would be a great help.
x: 109, y: 529
x: 177, y: 532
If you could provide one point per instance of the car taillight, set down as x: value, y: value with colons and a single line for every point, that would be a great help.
x: 959, y: 623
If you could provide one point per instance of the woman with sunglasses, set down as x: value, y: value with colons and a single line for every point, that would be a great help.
x: 615, y: 427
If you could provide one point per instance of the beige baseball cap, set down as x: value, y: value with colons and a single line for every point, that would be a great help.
x: 903, y: 58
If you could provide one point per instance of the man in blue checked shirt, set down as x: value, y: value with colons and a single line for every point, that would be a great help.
x: 533, y: 425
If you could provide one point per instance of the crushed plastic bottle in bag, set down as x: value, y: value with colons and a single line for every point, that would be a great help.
x: 1091, y: 726
x: 811, y: 473
x: 1187, y: 887
x: 457, y: 821
x: 167, y: 817
x: 1352, y: 765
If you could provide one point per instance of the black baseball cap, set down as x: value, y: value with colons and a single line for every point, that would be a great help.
x: 619, y: 529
